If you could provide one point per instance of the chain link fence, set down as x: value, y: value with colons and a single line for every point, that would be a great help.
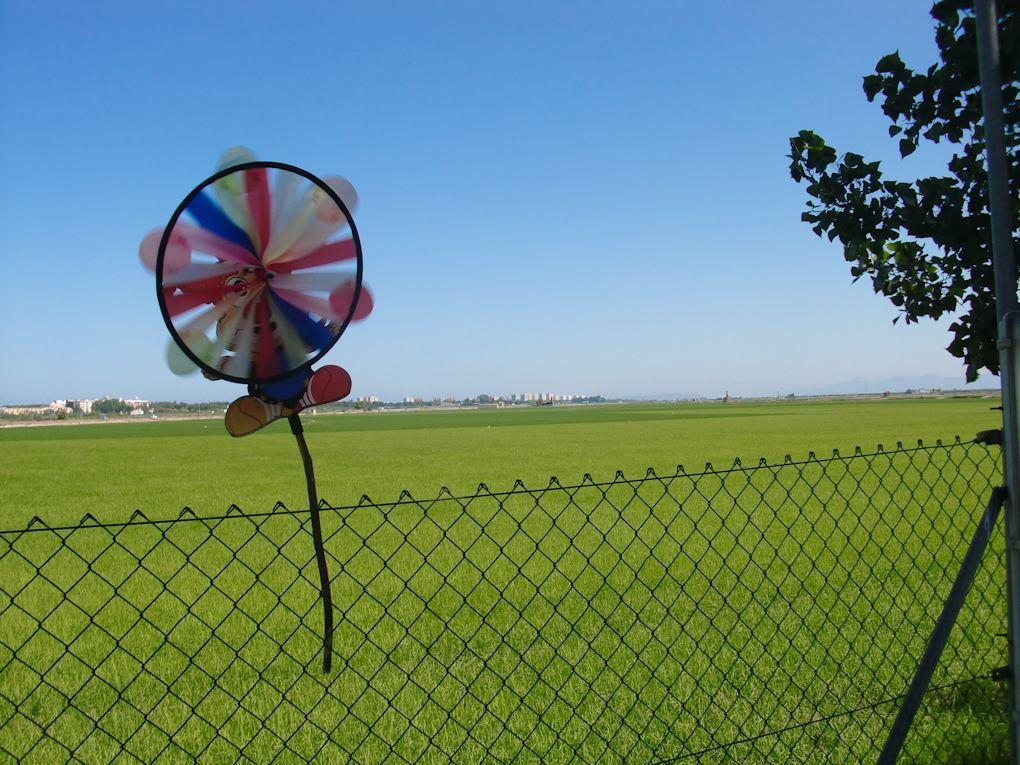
x: 766, y: 613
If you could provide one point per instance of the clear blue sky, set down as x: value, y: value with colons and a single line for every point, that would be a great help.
x: 565, y: 197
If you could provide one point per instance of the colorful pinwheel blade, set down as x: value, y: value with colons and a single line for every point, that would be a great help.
x: 258, y: 274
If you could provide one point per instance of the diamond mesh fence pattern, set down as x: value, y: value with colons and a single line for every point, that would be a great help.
x: 767, y: 613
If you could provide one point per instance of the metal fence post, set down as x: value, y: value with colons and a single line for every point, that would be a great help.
x: 1005, y: 306
x: 943, y: 627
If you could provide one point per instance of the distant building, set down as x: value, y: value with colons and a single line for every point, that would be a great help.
x: 25, y: 409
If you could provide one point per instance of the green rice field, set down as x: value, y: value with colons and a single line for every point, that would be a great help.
x: 60, y: 473
x: 755, y: 613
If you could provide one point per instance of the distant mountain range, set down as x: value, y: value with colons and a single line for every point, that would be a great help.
x: 846, y: 387
x: 899, y: 384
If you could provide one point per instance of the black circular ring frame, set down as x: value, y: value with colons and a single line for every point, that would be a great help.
x: 212, y: 371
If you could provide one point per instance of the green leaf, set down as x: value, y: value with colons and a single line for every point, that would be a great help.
x: 872, y: 86
x: 889, y: 64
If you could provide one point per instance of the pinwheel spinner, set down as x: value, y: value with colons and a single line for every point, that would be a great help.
x: 258, y: 274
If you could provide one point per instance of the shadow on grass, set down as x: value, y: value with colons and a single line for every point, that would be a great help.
x: 981, y: 697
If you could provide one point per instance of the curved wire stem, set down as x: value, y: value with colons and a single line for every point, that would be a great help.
x: 320, y: 553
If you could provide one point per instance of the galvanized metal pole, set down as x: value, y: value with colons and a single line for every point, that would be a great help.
x: 943, y: 628
x: 1005, y: 308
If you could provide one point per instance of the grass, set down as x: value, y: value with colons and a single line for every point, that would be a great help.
x: 109, y: 470
x: 634, y: 622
